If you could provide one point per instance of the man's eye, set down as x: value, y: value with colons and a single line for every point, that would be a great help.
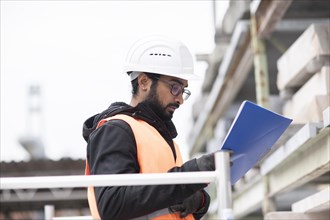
x: 176, y: 89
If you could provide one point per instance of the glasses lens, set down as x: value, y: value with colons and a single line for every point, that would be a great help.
x: 186, y: 94
x: 176, y: 90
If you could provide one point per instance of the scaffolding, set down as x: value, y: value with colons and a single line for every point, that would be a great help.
x: 297, y: 169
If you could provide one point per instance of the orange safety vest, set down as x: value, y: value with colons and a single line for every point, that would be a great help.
x: 154, y: 156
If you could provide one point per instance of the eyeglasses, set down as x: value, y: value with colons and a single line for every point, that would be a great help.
x: 176, y: 89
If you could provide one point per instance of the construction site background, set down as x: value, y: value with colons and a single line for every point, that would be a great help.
x: 274, y: 53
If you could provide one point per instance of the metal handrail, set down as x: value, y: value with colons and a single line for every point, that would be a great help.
x: 221, y: 176
x: 106, y: 180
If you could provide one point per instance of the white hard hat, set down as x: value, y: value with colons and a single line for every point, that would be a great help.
x: 161, y: 55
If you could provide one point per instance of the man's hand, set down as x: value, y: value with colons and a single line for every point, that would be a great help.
x: 189, y: 205
x: 206, y: 162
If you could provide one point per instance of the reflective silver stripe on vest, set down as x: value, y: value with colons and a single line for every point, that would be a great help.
x: 154, y: 214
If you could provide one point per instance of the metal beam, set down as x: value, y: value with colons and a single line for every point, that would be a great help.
x: 237, y: 49
x: 309, y: 161
x: 249, y: 199
x: 44, y: 196
x: 232, y: 68
x: 290, y: 147
x: 298, y: 25
x: 270, y: 15
x: 317, y: 202
x: 10, y: 201
x: 260, y: 64
x: 294, y: 216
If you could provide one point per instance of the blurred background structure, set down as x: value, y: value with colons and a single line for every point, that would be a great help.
x: 274, y: 53
x: 292, y: 54
x: 32, y: 141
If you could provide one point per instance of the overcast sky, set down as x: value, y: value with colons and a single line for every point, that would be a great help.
x: 75, y: 51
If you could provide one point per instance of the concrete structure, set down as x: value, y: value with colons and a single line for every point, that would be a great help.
x: 298, y: 165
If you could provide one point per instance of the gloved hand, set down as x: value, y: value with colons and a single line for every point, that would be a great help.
x: 205, y: 206
x: 189, y: 205
x: 206, y: 162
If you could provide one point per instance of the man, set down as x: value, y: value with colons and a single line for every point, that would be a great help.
x: 138, y: 138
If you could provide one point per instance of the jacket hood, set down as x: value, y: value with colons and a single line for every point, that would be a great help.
x: 141, y: 111
x: 91, y: 123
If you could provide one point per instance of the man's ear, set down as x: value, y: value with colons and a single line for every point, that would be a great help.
x: 144, y: 82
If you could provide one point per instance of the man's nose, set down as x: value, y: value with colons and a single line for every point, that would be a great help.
x: 179, y: 99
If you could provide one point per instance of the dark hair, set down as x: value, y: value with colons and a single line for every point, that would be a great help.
x: 135, y: 84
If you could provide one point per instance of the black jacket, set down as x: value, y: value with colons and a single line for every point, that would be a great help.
x: 111, y: 149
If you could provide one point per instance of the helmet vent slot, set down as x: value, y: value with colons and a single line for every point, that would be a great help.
x: 160, y: 54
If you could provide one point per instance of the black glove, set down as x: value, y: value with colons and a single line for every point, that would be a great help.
x: 189, y: 205
x: 205, y: 206
x: 206, y: 162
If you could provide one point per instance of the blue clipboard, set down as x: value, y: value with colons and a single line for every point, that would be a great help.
x: 252, y: 134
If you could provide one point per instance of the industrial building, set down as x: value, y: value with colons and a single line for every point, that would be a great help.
x: 279, y: 71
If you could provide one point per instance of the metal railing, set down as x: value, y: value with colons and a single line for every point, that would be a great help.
x: 221, y: 176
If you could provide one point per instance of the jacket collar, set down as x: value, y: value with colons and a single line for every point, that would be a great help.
x: 141, y: 111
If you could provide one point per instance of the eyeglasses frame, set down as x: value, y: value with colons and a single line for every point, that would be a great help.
x: 183, y: 90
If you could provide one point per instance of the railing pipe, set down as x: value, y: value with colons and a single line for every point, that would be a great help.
x: 221, y: 176
x: 106, y: 180
x: 222, y: 162
x: 49, y: 212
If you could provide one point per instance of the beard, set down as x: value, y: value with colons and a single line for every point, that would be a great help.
x: 153, y: 102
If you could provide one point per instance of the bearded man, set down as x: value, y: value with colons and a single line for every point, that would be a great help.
x: 138, y: 138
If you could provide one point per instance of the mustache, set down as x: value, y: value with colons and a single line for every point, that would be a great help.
x: 173, y: 105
